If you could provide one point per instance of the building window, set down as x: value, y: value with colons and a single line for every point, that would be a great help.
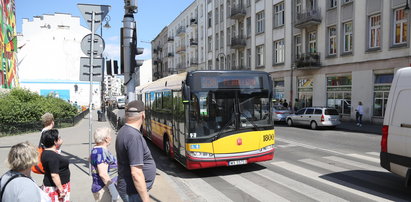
x: 221, y: 39
x: 339, y: 93
x: 346, y: 1
x: 374, y: 31
x: 400, y: 26
x: 216, y: 16
x: 278, y: 90
x: 382, y: 85
x: 216, y: 41
x: 260, y: 22
x: 249, y: 58
x: 298, y: 6
x: 279, y: 51
x: 279, y: 14
x: 312, y: 42
x: 260, y: 56
x: 347, y: 37
x: 210, y: 43
x: 221, y: 12
x: 209, y: 19
x: 332, y: 35
x: 333, y: 3
x: 298, y: 49
x: 248, y: 27
x: 305, y: 93
x: 248, y: 3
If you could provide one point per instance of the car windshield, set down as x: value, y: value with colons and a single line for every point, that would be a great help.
x: 214, y: 112
x: 121, y: 100
x: 331, y: 112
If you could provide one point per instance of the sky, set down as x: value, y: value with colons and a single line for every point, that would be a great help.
x: 151, y: 18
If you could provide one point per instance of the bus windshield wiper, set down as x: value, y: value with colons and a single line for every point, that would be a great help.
x: 250, y: 121
x: 223, y: 128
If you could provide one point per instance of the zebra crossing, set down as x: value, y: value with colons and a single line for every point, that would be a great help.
x: 326, y: 176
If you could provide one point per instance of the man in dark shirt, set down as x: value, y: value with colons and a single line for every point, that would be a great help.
x: 136, y: 166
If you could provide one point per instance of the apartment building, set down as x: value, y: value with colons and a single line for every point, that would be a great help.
x: 319, y: 52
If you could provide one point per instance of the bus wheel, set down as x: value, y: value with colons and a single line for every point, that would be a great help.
x: 167, y: 147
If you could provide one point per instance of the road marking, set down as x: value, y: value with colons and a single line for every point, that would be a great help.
x: 205, y: 190
x: 299, y: 187
x: 256, y: 191
x: 367, y: 158
x: 374, y: 154
x: 354, y: 163
x: 339, y: 184
x: 286, y: 145
x: 360, y: 176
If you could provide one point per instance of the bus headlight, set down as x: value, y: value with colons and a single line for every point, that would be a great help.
x: 200, y: 154
x: 267, y: 148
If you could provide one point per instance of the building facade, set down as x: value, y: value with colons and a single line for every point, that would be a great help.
x: 49, y: 58
x: 8, y: 49
x: 333, y: 53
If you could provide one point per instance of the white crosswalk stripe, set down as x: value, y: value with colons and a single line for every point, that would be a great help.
x: 258, y: 192
x: 354, y: 163
x: 299, y: 187
x: 366, y: 158
x: 205, y: 190
x: 339, y: 184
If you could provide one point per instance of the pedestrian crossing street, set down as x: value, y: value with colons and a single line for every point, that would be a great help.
x: 298, y: 172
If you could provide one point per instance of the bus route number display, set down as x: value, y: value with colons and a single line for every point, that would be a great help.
x: 231, y: 82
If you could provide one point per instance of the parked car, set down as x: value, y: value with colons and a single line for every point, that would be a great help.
x: 121, y: 102
x: 280, y: 113
x: 315, y: 117
x: 395, y: 153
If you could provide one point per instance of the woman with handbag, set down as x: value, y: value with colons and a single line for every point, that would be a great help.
x: 102, y: 162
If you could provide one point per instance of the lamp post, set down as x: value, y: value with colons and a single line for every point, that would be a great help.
x: 224, y: 60
x: 103, y: 103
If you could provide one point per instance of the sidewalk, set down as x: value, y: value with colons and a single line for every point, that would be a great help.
x: 76, y: 147
x: 365, y: 128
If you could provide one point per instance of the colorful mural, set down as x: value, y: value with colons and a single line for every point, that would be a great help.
x: 8, y: 45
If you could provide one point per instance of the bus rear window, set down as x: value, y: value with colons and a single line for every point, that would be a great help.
x: 331, y: 112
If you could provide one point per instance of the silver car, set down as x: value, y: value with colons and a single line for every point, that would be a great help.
x: 280, y: 113
x: 315, y: 117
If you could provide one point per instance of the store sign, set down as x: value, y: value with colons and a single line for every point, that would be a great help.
x: 339, y: 88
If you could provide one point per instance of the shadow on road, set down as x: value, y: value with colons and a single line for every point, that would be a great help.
x: 392, y: 187
x: 80, y: 163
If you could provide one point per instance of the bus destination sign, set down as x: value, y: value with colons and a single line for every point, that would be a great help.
x: 231, y: 82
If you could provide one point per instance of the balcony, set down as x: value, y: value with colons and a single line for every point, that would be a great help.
x: 181, y: 49
x: 193, y: 62
x: 193, y: 42
x: 170, y: 39
x: 239, y: 67
x: 170, y: 55
x: 181, y: 31
x: 308, y: 18
x: 308, y: 61
x: 238, y: 42
x: 193, y: 22
x: 238, y: 12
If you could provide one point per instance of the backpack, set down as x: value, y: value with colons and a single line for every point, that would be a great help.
x: 38, y: 168
x: 11, y: 178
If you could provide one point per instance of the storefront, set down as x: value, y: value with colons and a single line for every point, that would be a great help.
x: 279, y: 90
x: 305, y: 93
x: 339, y: 93
x: 382, y: 84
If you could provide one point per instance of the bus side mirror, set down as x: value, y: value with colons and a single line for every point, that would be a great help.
x: 186, y: 94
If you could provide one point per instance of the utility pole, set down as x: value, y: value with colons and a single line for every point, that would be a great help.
x: 130, y: 50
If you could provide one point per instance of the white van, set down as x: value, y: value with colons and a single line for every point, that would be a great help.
x: 395, y: 153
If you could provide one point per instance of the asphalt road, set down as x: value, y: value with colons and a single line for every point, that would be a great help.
x: 320, y: 165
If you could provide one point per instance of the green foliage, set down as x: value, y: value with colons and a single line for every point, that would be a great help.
x: 22, y: 107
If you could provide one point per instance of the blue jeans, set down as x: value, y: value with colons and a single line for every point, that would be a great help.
x: 130, y: 198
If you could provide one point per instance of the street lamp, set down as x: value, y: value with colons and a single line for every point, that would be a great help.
x: 224, y: 60
x: 103, y: 104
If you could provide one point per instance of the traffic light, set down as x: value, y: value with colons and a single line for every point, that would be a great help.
x: 108, y: 67
x: 136, y: 63
x: 115, y: 64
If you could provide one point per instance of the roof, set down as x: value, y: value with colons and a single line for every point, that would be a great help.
x: 166, y: 83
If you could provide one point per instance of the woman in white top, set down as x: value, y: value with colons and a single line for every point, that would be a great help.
x: 16, y: 184
x: 359, y: 113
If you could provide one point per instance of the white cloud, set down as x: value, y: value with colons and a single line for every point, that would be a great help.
x: 113, y: 38
x: 112, y: 51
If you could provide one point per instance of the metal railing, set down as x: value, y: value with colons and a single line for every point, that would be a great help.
x: 238, y: 42
x: 181, y: 30
x: 308, y: 60
x: 238, y: 12
x: 308, y: 17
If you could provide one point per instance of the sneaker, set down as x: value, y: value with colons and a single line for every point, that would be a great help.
x: 360, y: 125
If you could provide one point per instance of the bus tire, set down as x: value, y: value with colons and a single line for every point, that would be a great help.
x: 167, y: 148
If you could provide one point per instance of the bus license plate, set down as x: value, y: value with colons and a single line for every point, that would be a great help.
x: 238, y: 162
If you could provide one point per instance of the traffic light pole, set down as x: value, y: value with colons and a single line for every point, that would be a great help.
x: 128, y: 30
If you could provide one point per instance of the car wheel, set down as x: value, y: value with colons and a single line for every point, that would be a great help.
x: 290, y: 122
x: 313, y: 125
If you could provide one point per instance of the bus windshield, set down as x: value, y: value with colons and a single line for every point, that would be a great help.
x: 214, y: 112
